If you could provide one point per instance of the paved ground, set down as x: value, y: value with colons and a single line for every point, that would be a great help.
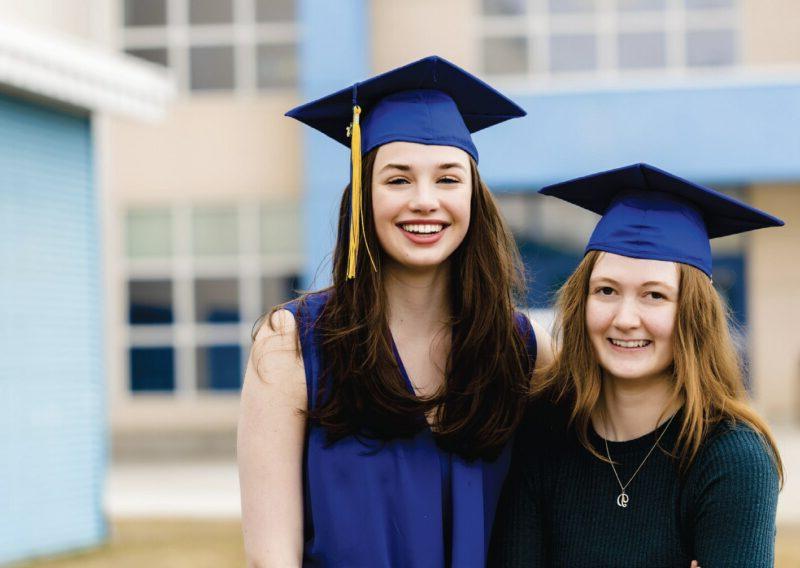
x: 211, y: 489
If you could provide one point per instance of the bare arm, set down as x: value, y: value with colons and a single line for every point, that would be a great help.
x: 270, y: 447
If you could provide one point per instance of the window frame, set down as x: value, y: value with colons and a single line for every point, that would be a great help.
x: 245, y: 34
x: 249, y: 266
x: 538, y: 25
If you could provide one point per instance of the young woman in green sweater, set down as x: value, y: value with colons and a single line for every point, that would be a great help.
x: 640, y: 448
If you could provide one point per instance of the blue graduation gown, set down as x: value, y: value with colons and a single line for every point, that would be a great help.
x: 404, y: 502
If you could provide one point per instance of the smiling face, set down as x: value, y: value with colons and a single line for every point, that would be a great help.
x: 630, y: 315
x: 421, y: 202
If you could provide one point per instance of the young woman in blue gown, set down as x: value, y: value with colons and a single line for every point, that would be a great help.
x: 377, y: 413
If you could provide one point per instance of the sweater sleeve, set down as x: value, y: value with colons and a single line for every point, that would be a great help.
x: 517, y: 537
x: 734, y: 501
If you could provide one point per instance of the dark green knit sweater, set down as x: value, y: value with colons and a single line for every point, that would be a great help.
x: 559, y: 508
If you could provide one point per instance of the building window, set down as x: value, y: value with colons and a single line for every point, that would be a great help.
x: 552, y: 39
x: 197, y: 278
x: 152, y: 369
x: 145, y: 13
x: 211, y: 68
x: 216, y: 45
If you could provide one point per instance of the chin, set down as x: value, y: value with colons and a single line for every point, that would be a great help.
x: 421, y: 265
x: 633, y: 373
x: 413, y: 260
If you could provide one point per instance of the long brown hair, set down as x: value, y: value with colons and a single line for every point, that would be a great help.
x: 707, y: 372
x: 488, y: 368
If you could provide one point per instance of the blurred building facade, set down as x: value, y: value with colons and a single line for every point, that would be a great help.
x: 226, y: 206
x: 56, y: 81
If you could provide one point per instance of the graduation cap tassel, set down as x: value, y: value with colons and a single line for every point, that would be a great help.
x: 356, y: 228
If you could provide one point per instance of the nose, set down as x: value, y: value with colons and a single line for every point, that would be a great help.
x: 424, y: 199
x: 627, y: 316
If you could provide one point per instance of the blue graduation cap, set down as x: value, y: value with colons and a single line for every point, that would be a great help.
x: 649, y: 213
x: 430, y: 101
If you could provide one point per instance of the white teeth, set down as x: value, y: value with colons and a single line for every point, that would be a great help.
x: 637, y: 343
x: 423, y: 229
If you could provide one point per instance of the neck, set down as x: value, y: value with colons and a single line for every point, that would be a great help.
x: 630, y: 409
x: 417, y: 300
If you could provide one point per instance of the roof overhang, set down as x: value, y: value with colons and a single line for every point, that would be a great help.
x: 82, y: 74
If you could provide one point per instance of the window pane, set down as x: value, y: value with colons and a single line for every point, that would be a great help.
x: 145, y: 12
x: 277, y: 290
x: 571, y: 6
x: 216, y: 300
x: 150, y: 301
x: 705, y: 4
x: 152, y: 369
x: 503, y: 7
x: 149, y: 233
x: 573, y: 53
x: 275, y: 10
x: 505, y: 55
x: 710, y: 48
x: 210, y: 12
x: 153, y: 55
x: 280, y: 228
x: 645, y: 50
x: 641, y: 5
x: 277, y: 65
x: 219, y: 367
x: 211, y: 67
x: 215, y: 231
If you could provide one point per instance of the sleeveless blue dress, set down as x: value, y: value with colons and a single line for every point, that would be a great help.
x: 401, y: 503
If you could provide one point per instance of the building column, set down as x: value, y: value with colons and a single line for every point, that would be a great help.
x: 774, y: 304
x: 334, y: 53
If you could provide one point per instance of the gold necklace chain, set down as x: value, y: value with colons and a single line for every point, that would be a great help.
x: 623, y: 498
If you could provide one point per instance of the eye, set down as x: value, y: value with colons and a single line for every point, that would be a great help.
x: 604, y: 291
x: 397, y: 181
x: 657, y: 295
x: 448, y: 179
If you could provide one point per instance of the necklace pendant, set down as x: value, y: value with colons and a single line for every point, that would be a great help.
x: 622, y: 500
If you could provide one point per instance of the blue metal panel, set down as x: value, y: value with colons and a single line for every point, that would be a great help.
x: 333, y: 54
x: 52, y: 392
x: 729, y: 135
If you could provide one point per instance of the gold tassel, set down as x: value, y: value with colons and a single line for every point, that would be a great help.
x: 356, y: 229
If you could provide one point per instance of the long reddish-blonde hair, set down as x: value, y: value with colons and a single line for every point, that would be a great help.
x: 707, y: 370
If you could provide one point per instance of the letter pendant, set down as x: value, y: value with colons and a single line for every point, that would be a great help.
x: 622, y: 500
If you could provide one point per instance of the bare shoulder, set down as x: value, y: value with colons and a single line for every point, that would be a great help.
x: 276, y: 359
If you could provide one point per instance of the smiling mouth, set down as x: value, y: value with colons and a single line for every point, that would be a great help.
x: 423, y: 228
x: 632, y: 344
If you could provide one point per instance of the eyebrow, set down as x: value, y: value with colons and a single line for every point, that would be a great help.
x: 407, y: 168
x: 643, y: 285
x: 451, y: 165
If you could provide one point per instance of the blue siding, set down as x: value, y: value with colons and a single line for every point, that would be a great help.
x: 52, y: 391
x: 724, y: 135
x: 333, y: 55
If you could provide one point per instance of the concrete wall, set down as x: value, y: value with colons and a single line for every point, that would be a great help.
x: 86, y: 19
x: 774, y: 297
x: 209, y: 147
x: 771, y: 32
x: 405, y: 31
